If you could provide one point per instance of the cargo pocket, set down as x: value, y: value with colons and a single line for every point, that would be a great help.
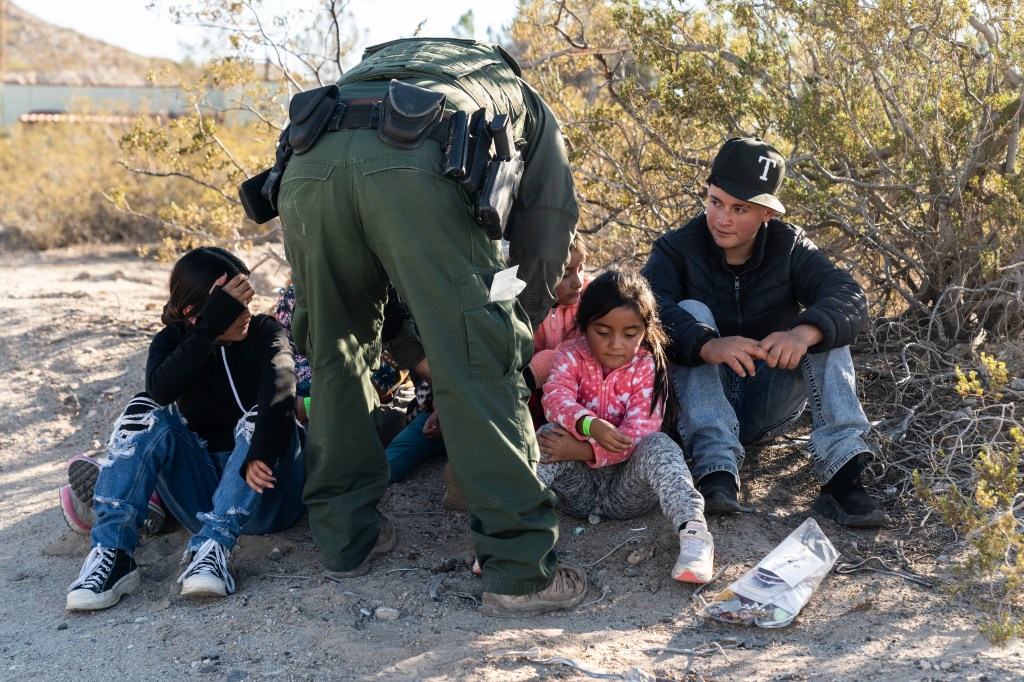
x: 497, y: 338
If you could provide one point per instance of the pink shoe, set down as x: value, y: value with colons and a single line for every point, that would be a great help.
x: 78, y: 516
x: 78, y: 509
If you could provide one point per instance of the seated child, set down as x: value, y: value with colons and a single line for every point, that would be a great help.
x: 214, y: 433
x: 603, y: 452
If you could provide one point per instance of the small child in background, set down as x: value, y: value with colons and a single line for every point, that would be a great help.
x: 559, y: 326
x: 603, y: 453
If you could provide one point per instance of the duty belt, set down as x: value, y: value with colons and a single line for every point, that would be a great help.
x: 365, y: 113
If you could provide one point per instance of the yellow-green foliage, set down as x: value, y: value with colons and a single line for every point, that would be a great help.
x: 970, y: 385
x: 55, y: 178
x: 990, y: 517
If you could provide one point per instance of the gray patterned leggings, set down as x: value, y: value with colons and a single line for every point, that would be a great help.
x: 656, y: 471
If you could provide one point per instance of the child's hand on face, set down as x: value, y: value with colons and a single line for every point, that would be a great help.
x: 558, y: 445
x: 239, y: 288
x: 609, y: 437
x: 258, y: 475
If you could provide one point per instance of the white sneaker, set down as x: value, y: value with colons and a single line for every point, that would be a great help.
x: 696, y: 554
x: 207, y: 575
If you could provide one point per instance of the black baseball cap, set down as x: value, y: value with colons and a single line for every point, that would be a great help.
x: 751, y: 170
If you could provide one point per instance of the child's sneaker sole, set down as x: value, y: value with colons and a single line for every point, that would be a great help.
x: 87, y: 600
x: 82, y: 474
x: 690, y: 577
x: 78, y: 517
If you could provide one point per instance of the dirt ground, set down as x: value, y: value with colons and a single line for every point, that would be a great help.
x: 72, y: 349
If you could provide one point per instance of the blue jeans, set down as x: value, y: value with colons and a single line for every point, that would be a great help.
x: 720, y: 411
x: 410, y: 447
x: 152, y: 448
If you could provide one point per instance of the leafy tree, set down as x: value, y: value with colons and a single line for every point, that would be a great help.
x: 217, y: 146
x: 901, y: 121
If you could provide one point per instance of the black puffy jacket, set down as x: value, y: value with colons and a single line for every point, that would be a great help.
x: 786, y: 282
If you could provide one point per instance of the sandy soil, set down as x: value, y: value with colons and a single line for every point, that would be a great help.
x: 77, y: 325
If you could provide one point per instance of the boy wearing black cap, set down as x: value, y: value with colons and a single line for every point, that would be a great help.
x: 760, y: 323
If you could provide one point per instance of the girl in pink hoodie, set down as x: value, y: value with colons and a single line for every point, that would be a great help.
x: 603, y: 452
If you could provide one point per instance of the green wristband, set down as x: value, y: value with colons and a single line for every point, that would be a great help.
x: 305, y: 404
x: 586, y: 426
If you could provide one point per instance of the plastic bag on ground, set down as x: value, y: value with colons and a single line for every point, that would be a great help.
x: 772, y: 593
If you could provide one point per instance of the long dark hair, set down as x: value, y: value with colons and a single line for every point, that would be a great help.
x: 615, y: 289
x: 191, y: 279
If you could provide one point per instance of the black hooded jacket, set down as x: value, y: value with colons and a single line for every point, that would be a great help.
x: 786, y: 282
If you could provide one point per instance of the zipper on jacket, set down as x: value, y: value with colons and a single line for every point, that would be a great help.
x: 739, y: 309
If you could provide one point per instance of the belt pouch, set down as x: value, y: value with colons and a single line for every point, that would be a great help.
x: 309, y: 113
x: 408, y: 114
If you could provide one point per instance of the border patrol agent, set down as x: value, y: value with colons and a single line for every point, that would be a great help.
x: 395, y: 188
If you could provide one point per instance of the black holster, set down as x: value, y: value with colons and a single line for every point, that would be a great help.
x: 492, y: 181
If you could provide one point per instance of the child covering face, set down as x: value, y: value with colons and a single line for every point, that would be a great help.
x: 214, y: 432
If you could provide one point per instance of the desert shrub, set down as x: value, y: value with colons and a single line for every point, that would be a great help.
x: 58, y: 180
x: 988, y: 510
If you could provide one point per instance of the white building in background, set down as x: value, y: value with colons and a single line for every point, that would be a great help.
x: 54, y: 101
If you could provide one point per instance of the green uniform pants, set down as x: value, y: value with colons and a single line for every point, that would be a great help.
x: 357, y: 213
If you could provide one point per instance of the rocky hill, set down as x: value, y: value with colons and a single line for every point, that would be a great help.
x: 39, y: 52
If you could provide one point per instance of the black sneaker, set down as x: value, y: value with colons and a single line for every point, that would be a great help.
x: 207, y: 574
x: 719, y: 491
x: 850, y: 506
x: 844, y: 499
x: 107, y: 574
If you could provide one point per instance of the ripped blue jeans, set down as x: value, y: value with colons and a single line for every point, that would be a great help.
x: 152, y: 448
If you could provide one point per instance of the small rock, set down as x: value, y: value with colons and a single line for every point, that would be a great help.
x: 1017, y: 384
x: 62, y: 626
x: 594, y: 519
x: 386, y: 614
x: 236, y: 676
x: 945, y: 665
x: 924, y: 665
x: 631, y: 572
x: 196, y: 665
x: 275, y: 554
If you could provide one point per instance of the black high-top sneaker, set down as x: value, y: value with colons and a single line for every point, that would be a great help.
x: 107, y: 574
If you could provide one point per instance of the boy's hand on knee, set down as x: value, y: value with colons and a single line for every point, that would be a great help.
x: 259, y: 476
x: 738, y: 352
x: 786, y: 348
